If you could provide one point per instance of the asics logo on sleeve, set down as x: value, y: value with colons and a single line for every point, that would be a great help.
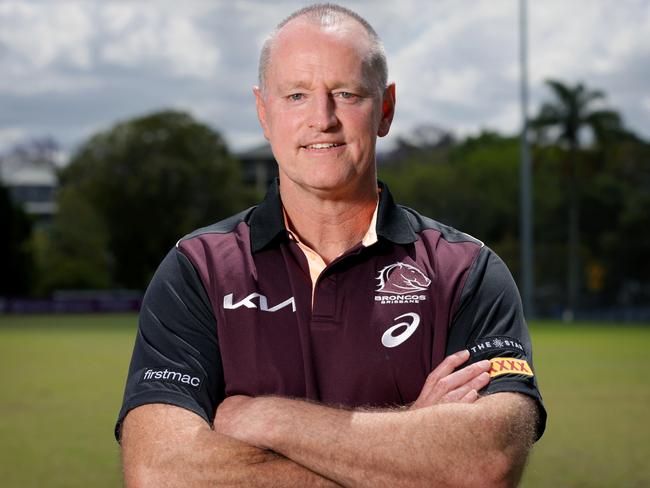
x: 390, y: 340
x: 263, y: 303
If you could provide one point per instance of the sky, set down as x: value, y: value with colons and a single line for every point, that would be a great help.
x: 69, y: 69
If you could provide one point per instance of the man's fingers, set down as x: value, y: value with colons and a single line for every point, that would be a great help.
x: 470, y: 397
x: 460, y: 393
x: 444, y: 384
x: 463, y: 376
x: 480, y: 381
x: 447, y: 366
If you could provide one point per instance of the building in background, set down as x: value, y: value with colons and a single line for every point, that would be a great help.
x: 258, y: 167
x: 29, y: 172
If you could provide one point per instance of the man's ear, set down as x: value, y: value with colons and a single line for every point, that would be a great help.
x: 260, y: 105
x: 387, y: 110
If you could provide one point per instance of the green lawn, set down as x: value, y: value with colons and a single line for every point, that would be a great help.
x: 595, y: 384
x: 62, y: 388
x: 63, y: 378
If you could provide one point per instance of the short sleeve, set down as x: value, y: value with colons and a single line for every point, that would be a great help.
x: 490, y: 323
x: 176, y: 357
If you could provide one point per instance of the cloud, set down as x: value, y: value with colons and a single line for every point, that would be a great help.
x: 580, y: 38
x: 458, y: 70
x: 599, y: 43
x: 73, y: 66
x: 67, y: 44
x: 460, y: 65
x: 10, y: 136
x: 36, y: 37
x: 136, y: 35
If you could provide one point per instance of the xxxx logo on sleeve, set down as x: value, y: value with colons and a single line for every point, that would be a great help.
x: 509, y: 366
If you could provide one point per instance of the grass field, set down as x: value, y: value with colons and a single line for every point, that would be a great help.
x: 63, y: 379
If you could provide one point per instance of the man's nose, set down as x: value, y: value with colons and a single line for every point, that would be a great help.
x: 322, y: 115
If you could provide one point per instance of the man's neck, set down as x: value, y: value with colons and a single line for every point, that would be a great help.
x: 329, y: 226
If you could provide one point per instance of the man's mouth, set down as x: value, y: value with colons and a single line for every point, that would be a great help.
x: 322, y: 145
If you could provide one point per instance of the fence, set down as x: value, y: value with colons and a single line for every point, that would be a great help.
x: 75, y: 302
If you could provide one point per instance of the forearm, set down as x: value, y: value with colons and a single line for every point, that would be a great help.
x: 444, y: 445
x: 196, y: 456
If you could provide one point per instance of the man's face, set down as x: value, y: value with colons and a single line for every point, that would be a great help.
x: 321, y: 108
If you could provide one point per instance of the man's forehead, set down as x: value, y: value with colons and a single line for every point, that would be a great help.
x: 301, y: 65
x: 295, y: 81
x: 298, y: 31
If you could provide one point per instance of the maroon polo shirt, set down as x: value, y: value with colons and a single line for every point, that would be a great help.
x: 229, y: 311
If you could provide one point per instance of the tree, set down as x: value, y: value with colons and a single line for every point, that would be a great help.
x: 16, y: 267
x: 473, y: 185
x: 470, y: 185
x: 423, y: 138
x: 151, y: 180
x: 619, y: 201
x: 570, y: 112
x: 74, y: 255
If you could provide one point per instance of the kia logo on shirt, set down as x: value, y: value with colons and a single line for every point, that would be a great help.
x: 263, y: 303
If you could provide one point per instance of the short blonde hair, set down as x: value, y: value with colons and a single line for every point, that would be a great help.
x: 327, y: 15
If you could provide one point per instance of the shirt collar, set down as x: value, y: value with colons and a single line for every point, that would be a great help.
x: 267, y: 220
x: 392, y: 220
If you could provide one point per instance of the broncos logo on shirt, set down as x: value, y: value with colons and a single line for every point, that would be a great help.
x: 402, y: 278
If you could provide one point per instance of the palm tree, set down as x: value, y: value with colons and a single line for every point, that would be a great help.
x: 569, y: 112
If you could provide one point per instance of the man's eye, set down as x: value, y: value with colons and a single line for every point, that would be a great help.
x: 296, y: 96
x: 346, y: 95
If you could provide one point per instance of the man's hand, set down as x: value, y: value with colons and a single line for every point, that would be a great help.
x: 445, y: 385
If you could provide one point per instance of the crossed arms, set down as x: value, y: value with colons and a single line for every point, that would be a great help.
x: 449, y: 437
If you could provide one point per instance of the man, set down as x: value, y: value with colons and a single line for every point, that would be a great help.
x: 341, y: 339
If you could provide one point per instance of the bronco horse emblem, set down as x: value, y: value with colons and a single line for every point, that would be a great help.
x: 401, y: 278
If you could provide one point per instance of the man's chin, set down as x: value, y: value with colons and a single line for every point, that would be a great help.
x: 325, y: 187
x: 322, y: 184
